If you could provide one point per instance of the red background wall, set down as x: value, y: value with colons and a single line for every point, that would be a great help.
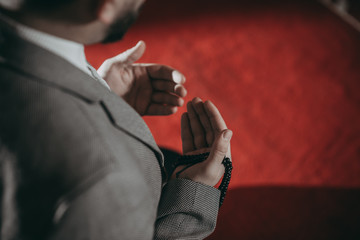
x: 286, y: 76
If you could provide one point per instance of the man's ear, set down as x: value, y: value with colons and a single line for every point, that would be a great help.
x: 107, y: 11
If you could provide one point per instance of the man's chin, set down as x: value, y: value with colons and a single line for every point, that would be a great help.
x: 111, y: 38
x: 118, y: 29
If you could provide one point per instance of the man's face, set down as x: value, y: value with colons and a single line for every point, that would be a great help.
x: 119, y: 27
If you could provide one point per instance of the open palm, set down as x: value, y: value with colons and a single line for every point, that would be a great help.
x: 203, y: 130
x: 151, y: 89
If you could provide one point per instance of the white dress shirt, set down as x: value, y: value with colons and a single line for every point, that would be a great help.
x: 71, y: 51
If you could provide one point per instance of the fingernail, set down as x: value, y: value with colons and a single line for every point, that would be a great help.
x: 227, y: 135
x: 184, y: 93
x: 197, y: 99
x: 177, y: 77
x: 174, y: 110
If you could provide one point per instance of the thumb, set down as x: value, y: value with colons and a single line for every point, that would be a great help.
x: 133, y: 54
x: 220, y: 147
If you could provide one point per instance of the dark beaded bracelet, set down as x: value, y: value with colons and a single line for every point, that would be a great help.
x: 190, y: 160
x: 226, y: 179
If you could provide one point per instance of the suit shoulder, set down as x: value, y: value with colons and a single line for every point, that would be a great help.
x: 52, y: 130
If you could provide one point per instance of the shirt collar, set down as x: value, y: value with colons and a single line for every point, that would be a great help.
x: 69, y: 50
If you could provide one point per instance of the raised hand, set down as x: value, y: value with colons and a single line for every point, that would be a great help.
x: 151, y: 89
x: 204, y: 130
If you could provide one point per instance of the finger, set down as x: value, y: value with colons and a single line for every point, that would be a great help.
x: 217, y: 122
x: 168, y: 99
x: 180, y: 90
x: 163, y: 72
x: 162, y: 110
x: 168, y: 86
x: 131, y: 55
x: 220, y: 148
x: 163, y: 85
x: 204, y: 119
x: 196, y: 127
x: 186, y: 135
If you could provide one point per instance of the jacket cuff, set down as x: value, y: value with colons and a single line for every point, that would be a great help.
x: 183, y: 195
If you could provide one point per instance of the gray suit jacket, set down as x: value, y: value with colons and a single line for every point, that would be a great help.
x: 80, y: 163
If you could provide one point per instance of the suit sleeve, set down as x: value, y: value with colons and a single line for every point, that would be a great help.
x: 187, y: 210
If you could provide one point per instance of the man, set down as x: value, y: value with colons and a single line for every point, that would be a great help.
x: 77, y: 160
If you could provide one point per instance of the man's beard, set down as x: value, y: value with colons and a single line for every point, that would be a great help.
x: 118, y: 29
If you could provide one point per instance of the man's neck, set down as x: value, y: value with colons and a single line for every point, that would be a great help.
x: 62, y: 30
x: 82, y: 32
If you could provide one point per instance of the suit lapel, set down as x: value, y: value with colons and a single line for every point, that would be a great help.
x: 41, y: 65
x: 129, y: 121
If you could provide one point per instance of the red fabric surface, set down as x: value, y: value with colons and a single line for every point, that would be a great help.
x: 286, y: 76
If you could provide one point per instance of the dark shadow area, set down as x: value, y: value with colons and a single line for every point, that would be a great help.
x: 170, y: 157
x: 163, y: 11
x: 290, y: 213
x: 354, y: 8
